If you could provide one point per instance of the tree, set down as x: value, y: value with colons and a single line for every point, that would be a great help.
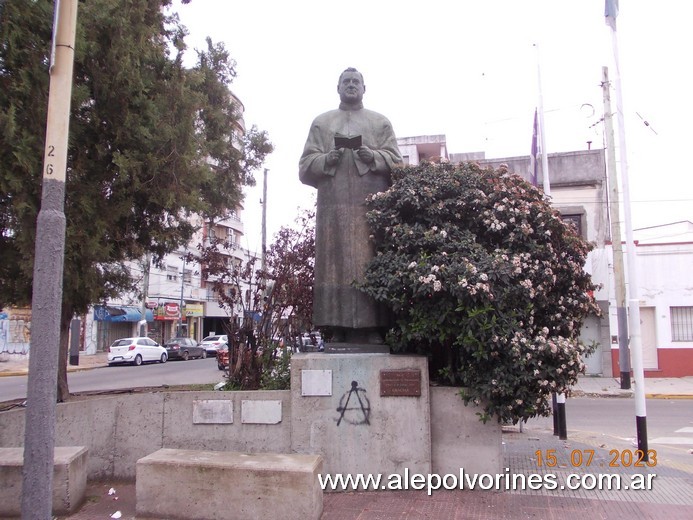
x: 484, y: 277
x: 151, y: 142
x: 274, y: 303
x: 290, y: 264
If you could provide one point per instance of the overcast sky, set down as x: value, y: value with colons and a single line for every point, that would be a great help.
x: 468, y: 70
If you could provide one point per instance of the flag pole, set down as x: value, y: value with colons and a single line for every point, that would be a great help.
x: 611, y: 13
x: 542, y: 130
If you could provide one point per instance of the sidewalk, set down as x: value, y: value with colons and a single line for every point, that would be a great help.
x: 655, y: 387
x: 670, y: 498
x: 18, y: 365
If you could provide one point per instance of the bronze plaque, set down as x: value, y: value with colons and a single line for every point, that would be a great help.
x: 400, y: 383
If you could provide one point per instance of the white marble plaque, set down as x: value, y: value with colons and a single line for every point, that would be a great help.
x: 316, y: 382
x: 261, y: 412
x: 215, y: 411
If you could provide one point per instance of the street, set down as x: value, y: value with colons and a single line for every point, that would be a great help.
x: 610, y: 423
x: 196, y: 371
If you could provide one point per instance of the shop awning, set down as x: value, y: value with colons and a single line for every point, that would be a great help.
x: 119, y: 313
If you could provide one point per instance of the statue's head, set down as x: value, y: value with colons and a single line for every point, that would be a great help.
x: 351, y: 86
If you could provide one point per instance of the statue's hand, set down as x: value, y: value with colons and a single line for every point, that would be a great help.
x: 333, y: 156
x: 366, y: 154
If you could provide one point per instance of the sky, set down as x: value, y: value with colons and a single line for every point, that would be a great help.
x: 469, y: 70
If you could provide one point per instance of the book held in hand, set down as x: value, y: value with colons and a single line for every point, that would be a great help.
x: 343, y: 141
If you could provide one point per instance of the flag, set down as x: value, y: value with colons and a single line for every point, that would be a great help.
x: 611, y: 12
x: 534, y: 155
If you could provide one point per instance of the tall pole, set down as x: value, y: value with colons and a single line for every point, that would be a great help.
x: 264, y: 221
x: 180, y: 305
x: 633, y: 300
x: 619, y: 278
x: 46, y: 302
x: 542, y: 131
x: 146, y: 268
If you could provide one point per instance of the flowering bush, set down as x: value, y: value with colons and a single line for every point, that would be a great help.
x: 483, y: 276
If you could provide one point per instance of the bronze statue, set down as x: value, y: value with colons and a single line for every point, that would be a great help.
x: 349, y: 154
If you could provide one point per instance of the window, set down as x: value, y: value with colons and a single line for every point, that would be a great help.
x: 575, y: 221
x: 681, y: 323
x: 187, y: 276
x: 171, y: 273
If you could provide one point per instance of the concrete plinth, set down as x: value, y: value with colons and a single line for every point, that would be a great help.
x: 338, y: 412
x: 69, y: 479
x: 221, y: 485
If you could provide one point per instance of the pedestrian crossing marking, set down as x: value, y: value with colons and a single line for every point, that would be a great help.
x: 672, y: 440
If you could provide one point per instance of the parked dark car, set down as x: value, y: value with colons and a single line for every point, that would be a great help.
x: 184, y: 348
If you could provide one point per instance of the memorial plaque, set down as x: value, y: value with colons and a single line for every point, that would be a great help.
x: 213, y: 411
x: 400, y: 383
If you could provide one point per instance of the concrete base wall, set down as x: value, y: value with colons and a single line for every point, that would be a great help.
x: 355, y: 428
x: 458, y: 439
x: 120, y: 430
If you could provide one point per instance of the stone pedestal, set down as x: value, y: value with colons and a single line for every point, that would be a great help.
x: 224, y: 485
x: 364, y: 413
x: 69, y: 480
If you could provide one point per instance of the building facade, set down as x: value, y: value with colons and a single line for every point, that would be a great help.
x: 664, y: 256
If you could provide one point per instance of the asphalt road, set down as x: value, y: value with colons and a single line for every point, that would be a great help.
x: 610, y: 422
x: 195, y: 371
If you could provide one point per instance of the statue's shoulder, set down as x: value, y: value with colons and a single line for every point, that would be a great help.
x: 375, y: 116
x: 327, y: 116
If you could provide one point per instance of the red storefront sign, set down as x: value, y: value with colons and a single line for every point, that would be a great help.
x: 167, y: 311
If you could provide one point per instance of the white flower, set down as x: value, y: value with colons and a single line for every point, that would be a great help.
x: 437, y: 286
x: 412, y: 265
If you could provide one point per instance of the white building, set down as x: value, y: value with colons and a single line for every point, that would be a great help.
x: 664, y: 256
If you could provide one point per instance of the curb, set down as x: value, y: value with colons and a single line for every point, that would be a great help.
x: 25, y: 372
x: 669, y: 396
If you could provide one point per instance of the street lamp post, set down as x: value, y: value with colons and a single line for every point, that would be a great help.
x: 46, y: 301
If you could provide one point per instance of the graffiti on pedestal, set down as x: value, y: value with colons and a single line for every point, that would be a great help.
x: 354, y: 406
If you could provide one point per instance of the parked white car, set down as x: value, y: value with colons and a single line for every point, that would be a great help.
x: 136, y: 351
x: 213, y: 343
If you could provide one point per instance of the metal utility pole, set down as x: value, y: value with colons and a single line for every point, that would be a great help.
x: 146, y: 268
x: 46, y: 301
x: 180, y: 307
x: 264, y: 221
x: 619, y: 278
x: 633, y: 288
